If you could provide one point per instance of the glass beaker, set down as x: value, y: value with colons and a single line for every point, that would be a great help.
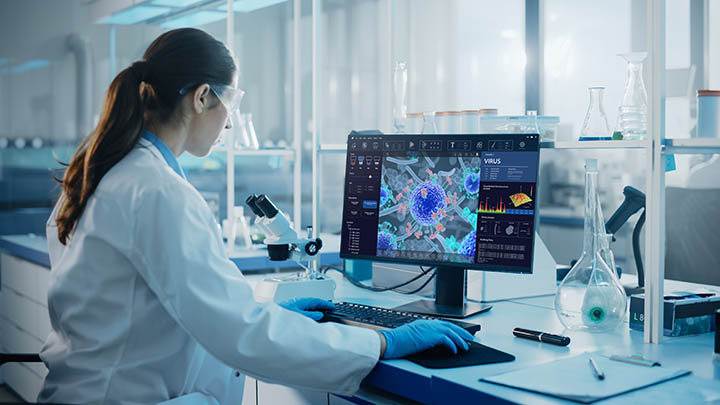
x: 532, y: 121
x: 428, y: 126
x: 595, y: 127
x: 414, y: 123
x: 447, y: 122
x: 590, y: 296
x: 470, y: 124
x: 632, y: 113
x: 399, y: 106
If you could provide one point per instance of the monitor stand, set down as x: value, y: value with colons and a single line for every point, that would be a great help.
x: 449, y: 297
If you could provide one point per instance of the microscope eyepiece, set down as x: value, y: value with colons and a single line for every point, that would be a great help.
x: 251, y: 202
x: 265, y: 205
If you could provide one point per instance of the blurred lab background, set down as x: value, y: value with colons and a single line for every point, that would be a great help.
x: 57, y: 58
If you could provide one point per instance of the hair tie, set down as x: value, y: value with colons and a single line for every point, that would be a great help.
x: 140, y: 70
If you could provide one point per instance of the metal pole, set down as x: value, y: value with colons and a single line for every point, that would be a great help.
x: 533, y: 53
x: 297, y: 125
x: 229, y: 141
x: 315, y: 117
x: 655, y: 208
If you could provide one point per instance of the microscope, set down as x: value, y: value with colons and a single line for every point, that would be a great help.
x: 283, y: 243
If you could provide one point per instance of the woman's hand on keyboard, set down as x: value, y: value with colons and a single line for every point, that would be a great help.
x: 424, y: 334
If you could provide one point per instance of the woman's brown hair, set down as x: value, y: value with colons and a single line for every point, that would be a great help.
x: 147, y: 91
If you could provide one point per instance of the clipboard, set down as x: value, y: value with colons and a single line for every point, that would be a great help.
x: 573, y: 378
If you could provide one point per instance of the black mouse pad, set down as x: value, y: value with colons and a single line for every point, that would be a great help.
x: 440, y: 357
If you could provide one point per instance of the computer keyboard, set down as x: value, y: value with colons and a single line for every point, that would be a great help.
x: 371, y: 317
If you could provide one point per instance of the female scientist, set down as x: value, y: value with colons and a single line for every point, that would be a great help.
x: 145, y: 305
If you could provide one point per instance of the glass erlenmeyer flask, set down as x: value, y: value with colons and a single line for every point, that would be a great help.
x: 591, y: 297
x: 595, y: 127
x: 633, y: 109
x: 399, y: 96
x: 241, y: 136
x: 252, y: 136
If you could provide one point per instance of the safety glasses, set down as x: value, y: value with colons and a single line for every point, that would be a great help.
x: 230, y: 97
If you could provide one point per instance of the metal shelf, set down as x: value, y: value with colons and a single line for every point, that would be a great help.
x: 595, y: 145
x: 692, y: 146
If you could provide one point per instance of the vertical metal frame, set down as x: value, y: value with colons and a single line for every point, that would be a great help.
x: 534, y: 54
x: 655, y: 206
x: 229, y: 139
x: 297, y: 119
x: 316, y: 14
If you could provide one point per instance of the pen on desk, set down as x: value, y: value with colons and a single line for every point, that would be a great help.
x: 599, y: 374
x: 541, y: 336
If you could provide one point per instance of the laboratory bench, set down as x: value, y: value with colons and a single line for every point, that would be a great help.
x: 25, y: 278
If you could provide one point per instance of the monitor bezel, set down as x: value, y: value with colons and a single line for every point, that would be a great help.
x: 435, y: 263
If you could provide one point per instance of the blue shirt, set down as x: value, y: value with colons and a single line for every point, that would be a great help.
x: 165, y: 152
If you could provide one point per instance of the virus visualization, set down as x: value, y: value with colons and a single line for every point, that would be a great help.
x: 386, y: 238
x: 467, y: 247
x: 429, y: 204
x: 471, y: 182
x: 385, y: 195
x: 386, y: 241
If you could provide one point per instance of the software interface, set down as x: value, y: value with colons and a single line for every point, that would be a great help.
x: 462, y: 199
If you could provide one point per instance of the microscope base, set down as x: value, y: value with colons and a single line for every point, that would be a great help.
x: 284, y: 288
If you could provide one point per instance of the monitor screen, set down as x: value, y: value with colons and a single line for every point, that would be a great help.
x: 445, y: 200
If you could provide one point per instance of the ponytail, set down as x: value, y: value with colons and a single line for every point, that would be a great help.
x: 147, y: 91
x: 118, y: 131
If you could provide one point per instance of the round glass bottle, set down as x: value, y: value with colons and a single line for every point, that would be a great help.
x: 632, y: 113
x: 591, y: 297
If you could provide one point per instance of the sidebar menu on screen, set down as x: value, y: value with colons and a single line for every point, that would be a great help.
x: 362, y: 193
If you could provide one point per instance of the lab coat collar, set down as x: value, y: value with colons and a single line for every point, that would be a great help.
x: 164, y: 151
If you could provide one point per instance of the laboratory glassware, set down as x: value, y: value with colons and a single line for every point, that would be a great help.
x: 428, y: 126
x: 591, y: 297
x: 595, y: 127
x: 633, y: 109
x: 414, y: 123
x: 548, y: 127
x: 252, y: 136
x: 469, y: 122
x: 708, y: 113
x: 532, y: 121
x: 241, y: 138
x: 399, y: 106
x: 447, y: 122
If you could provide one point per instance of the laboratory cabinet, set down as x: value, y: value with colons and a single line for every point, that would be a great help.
x: 24, y: 321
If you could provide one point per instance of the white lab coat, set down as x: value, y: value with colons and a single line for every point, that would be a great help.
x: 145, y: 305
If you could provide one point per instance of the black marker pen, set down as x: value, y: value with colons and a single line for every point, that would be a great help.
x: 541, y: 337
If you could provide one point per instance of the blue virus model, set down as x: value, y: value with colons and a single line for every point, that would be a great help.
x: 426, y: 202
x: 385, y: 195
x: 386, y: 241
x: 472, y: 183
x: 467, y: 247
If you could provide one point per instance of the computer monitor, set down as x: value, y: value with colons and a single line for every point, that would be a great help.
x: 455, y: 202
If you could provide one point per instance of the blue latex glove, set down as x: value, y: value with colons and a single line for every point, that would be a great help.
x: 308, y: 306
x: 424, y: 334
